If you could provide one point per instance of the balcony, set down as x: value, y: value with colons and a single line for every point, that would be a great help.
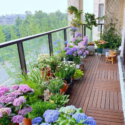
x: 99, y: 92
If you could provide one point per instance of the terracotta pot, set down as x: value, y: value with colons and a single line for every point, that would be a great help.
x: 70, y: 12
x: 27, y: 121
x: 65, y: 87
x: 48, y: 70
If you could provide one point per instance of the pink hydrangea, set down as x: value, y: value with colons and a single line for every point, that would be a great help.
x: 17, y: 119
x: 9, y: 99
x: 19, y: 101
x: 3, y: 99
x: 25, y: 110
x: 5, y: 111
x: 17, y: 93
x: 2, y: 93
x: 4, y: 88
x: 1, y: 106
x: 25, y: 88
x: 14, y: 87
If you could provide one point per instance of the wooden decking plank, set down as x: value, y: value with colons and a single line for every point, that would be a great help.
x: 95, y: 98
x: 107, y: 100
x: 91, y: 98
x: 119, y: 101
x: 111, y: 100
x: 115, y: 100
x: 99, y: 99
x: 103, y: 99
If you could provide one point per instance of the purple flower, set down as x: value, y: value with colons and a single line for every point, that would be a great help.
x: 69, y: 52
x: 37, y: 120
x: 26, y: 72
x: 85, y: 39
x: 9, y: 99
x: 14, y: 87
x: 66, y: 48
x: 17, y: 119
x: 68, y: 45
x: 66, y: 42
x: 19, y: 101
x: 3, y: 99
x: 25, y: 88
x: 74, y: 49
x: 15, y: 93
x: 58, y: 51
x: 57, y: 40
x: 79, y: 116
x: 73, y: 40
x: 73, y: 29
x: 4, y: 111
x: 87, y: 52
x: 1, y: 106
x: 78, y: 35
x: 25, y: 110
x: 79, y: 52
x: 45, y: 124
x: 51, y: 116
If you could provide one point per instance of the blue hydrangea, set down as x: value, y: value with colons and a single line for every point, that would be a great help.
x: 69, y: 52
x: 73, y: 29
x: 58, y: 51
x: 90, y: 121
x: 51, y: 116
x: 66, y: 42
x: 45, y: 124
x: 74, y: 49
x: 79, y: 116
x: 57, y: 40
x: 56, y: 45
x: 37, y: 120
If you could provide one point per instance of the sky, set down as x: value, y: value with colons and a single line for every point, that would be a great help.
x: 20, y: 6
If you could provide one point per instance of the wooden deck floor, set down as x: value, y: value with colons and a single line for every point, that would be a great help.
x: 98, y: 92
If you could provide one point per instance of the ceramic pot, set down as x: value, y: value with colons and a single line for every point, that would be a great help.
x: 77, y: 66
x: 27, y: 121
x: 100, y: 50
x: 65, y: 87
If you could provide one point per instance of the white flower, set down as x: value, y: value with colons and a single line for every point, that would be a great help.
x: 66, y: 69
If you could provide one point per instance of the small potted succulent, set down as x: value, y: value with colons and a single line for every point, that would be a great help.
x: 55, y: 85
x: 78, y: 74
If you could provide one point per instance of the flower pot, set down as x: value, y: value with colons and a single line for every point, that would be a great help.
x: 65, y: 87
x: 27, y: 121
x: 70, y: 12
x: 77, y: 66
x: 100, y: 50
x: 48, y: 70
x: 77, y: 78
x: 68, y: 80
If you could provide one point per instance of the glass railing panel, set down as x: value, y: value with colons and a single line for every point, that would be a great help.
x: 58, y: 41
x: 9, y: 65
x: 34, y: 47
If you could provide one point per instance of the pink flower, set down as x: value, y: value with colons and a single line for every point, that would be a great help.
x: 2, y: 93
x: 17, y: 93
x: 9, y: 99
x: 14, y: 87
x: 87, y: 52
x: 4, y: 88
x: 25, y: 110
x: 5, y: 111
x: 19, y: 101
x: 17, y: 119
x: 25, y: 88
x: 68, y: 45
x: 1, y: 106
x: 3, y: 99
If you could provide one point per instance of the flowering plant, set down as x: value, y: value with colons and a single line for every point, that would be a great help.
x: 13, y: 106
x: 73, y: 29
x: 100, y: 43
x: 76, y: 22
x: 68, y: 115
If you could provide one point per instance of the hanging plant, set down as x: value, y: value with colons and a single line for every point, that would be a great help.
x: 76, y: 23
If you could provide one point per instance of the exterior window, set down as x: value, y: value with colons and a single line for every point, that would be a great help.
x: 101, y: 14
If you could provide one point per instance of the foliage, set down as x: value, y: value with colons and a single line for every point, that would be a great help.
x: 55, y: 85
x: 100, y: 43
x: 39, y: 108
x: 65, y: 70
x: 76, y: 22
x: 59, y: 100
x: 78, y: 73
x: 112, y: 35
x: 34, y: 80
x: 76, y: 59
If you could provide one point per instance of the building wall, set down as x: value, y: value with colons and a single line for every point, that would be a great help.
x: 96, y: 12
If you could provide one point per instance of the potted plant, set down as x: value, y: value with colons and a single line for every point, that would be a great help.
x: 100, y: 44
x: 78, y: 74
x: 76, y: 23
x: 55, y: 85
x: 72, y: 9
x: 59, y: 100
x: 13, y: 105
x: 77, y: 61
x: 65, y: 71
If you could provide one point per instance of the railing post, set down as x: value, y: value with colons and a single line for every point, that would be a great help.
x: 101, y: 30
x: 21, y: 56
x: 84, y: 29
x: 65, y: 36
x: 50, y: 44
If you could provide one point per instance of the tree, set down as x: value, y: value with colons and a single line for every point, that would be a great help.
x: 18, y: 21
